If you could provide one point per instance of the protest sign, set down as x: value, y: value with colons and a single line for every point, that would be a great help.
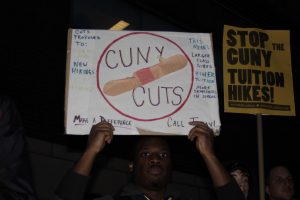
x: 141, y: 82
x: 257, y: 71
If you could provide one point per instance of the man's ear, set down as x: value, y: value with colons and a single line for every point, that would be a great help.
x: 130, y: 166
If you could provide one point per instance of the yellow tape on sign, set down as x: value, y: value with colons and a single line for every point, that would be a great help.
x: 119, y: 26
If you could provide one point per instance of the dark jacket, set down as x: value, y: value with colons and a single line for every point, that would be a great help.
x: 73, y: 187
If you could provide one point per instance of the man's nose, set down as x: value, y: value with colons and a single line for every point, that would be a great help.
x: 288, y: 182
x: 155, y: 157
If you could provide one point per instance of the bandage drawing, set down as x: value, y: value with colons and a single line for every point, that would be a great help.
x: 145, y: 75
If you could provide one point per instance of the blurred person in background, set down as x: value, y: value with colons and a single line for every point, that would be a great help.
x: 279, y: 183
x: 241, y: 173
x: 16, y: 181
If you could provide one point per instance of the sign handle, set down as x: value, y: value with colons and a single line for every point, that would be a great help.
x: 260, y: 157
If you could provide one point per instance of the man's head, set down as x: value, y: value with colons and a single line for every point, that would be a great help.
x: 280, y: 184
x: 241, y: 174
x: 151, y: 165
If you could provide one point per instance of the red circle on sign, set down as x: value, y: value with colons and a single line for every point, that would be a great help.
x: 127, y: 115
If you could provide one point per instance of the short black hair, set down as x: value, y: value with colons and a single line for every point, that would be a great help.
x: 233, y: 165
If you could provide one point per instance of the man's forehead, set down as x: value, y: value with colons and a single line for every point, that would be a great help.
x: 153, y: 142
x: 280, y: 172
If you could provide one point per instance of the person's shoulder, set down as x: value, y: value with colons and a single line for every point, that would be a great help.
x: 5, y: 100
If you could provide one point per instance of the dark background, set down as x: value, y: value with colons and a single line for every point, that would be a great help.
x: 33, y: 45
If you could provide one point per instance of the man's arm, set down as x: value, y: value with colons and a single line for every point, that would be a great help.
x: 204, y: 138
x: 73, y: 185
x: 100, y: 135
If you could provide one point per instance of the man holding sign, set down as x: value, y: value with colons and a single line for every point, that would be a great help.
x: 151, y: 167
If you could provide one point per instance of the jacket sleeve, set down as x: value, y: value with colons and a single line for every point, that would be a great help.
x: 229, y: 191
x: 72, y: 187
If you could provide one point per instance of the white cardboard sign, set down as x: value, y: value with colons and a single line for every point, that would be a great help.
x: 141, y: 82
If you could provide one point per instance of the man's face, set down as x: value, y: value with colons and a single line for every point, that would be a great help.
x: 152, y: 164
x: 242, y: 180
x: 281, y: 184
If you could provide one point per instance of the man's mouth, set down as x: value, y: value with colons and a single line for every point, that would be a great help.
x: 155, y: 169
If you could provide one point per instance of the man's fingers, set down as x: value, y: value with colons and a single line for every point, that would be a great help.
x: 201, y: 126
x: 192, y: 134
x: 101, y: 129
x: 103, y: 126
x: 108, y: 138
x: 197, y: 123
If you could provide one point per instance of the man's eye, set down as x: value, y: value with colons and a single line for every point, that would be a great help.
x: 164, y: 155
x: 283, y: 180
x: 279, y: 180
x: 145, y: 154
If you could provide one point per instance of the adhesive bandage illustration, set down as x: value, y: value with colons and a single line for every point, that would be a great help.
x: 145, y: 75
